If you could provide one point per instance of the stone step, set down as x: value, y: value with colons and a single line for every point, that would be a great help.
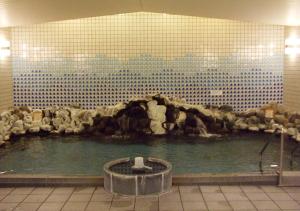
x: 291, y: 178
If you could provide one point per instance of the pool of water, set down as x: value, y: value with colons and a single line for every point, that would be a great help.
x: 83, y: 155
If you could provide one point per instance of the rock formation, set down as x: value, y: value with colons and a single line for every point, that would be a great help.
x: 155, y: 114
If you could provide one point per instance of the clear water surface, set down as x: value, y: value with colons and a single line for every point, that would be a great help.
x: 85, y: 155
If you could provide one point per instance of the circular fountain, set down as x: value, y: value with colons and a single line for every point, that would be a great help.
x: 138, y: 176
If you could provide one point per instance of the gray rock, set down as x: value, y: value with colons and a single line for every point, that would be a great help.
x: 298, y: 137
x: 269, y: 131
x: 240, y: 124
x: 34, y: 129
x: 46, y: 128
x: 294, y: 116
x: 252, y: 120
x: 226, y: 108
x: 281, y: 119
x: 292, y: 131
x: 157, y: 115
x: 250, y: 112
x: 181, y: 119
x: 230, y: 117
x: 18, y: 128
x: 262, y: 126
x: 253, y: 128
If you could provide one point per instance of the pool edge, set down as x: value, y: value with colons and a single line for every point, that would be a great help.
x: 180, y: 179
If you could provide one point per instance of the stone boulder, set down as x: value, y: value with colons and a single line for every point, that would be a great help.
x: 241, y: 124
x: 157, y: 115
x: 172, y: 113
x: 110, y: 110
x: 18, y: 128
x: 194, y: 125
x: 226, y: 108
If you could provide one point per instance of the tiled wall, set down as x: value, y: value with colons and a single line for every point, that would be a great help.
x: 104, y: 60
x: 6, y: 82
x: 292, y: 74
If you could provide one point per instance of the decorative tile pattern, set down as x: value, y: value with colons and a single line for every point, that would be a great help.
x: 104, y: 60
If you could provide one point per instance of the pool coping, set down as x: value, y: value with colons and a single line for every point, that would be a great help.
x: 180, y: 179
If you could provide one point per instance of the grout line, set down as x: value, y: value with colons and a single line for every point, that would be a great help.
x: 112, y: 199
x: 68, y: 199
x: 298, y: 202
x: 24, y: 198
x: 226, y: 198
x: 248, y: 197
x: 271, y: 198
x: 180, y: 197
x: 203, y: 197
x: 46, y: 199
x: 90, y: 198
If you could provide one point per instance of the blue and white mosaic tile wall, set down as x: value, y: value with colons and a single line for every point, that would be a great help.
x: 104, y: 60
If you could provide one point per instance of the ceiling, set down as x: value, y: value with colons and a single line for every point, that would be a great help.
x: 22, y: 12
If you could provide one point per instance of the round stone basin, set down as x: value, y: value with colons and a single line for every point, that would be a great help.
x: 121, y: 179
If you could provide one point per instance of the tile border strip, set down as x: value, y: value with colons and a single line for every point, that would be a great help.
x: 183, y: 179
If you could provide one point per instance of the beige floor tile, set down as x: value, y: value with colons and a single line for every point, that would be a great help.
x: 144, y: 204
x: 122, y: 205
x: 84, y: 190
x: 51, y: 206
x: 63, y: 190
x: 98, y: 206
x: 241, y: 205
x: 58, y: 197
x: 230, y: 189
x: 100, y: 190
x: 265, y: 205
x: 218, y: 205
x: 75, y: 206
x: 174, y: 196
x: 77, y: 197
x: 101, y: 197
x: 167, y: 206
x: 14, y: 198
x: 214, y: 197
x: 210, y: 189
x: 22, y: 190
x: 295, y: 195
x: 251, y: 189
x: 36, y: 198
x: 42, y: 190
x: 271, y: 189
x: 142, y: 199
x: 279, y: 196
x: 292, y: 189
x: 258, y: 196
x: 191, y: 197
x: 5, y: 191
x: 7, y: 206
x: 175, y: 188
x: 292, y: 205
x: 236, y: 196
x: 2, y: 196
x: 124, y: 198
x: 28, y: 206
x: 194, y: 206
x: 189, y: 189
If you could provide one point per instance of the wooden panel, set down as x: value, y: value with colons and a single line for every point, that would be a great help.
x: 291, y: 83
x: 6, y: 83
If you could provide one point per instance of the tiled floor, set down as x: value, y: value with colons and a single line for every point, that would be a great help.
x: 187, y: 198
